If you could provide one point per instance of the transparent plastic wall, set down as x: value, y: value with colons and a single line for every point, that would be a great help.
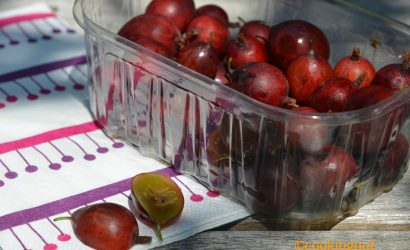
x: 275, y: 161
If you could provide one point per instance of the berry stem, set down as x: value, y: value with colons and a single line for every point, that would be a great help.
x: 62, y: 218
x: 240, y: 41
x: 223, y: 158
x: 355, y: 55
x: 241, y: 20
x: 291, y: 102
x: 193, y: 34
x: 228, y: 70
x: 359, y: 80
x: 142, y: 239
x: 375, y: 44
x: 310, y: 47
x: 159, y: 233
x: 234, y: 25
x: 228, y: 66
x: 406, y: 60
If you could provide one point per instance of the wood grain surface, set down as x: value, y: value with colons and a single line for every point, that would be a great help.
x: 289, y: 240
x: 386, y: 220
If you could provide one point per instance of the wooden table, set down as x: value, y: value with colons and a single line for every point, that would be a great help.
x: 386, y: 221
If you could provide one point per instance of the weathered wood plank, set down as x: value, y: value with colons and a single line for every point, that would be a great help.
x: 287, y: 240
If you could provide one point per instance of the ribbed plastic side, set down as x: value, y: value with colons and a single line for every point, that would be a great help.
x: 300, y: 169
x: 279, y: 168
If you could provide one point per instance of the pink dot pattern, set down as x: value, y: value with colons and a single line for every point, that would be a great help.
x: 50, y: 247
x: 196, y: 198
x: 64, y: 237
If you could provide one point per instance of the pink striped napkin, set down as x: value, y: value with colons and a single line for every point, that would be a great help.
x: 54, y: 158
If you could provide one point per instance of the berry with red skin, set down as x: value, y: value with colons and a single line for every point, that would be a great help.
x: 155, y: 46
x: 323, y: 176
x: 222, y: 75
x: 394, y: 76
x: 332, y: 95
x: 244, y: 50
x: 393, y: 160
x: 274, y: 193
x: 306, y: 74
x: 201, y: 57
x: 290, y: 39
x: 217, y: 147
x: 214, y: 11
x: 211, y: 30
x: 154, y: 27
x: 354, y: 67
x: 305, y: 109
x: 371, y: 136
x: 261, y: 81
x: 257, y: 29
x: 367, y: 96
x: 217, y: 153
x: 270, y: 178
x: 180, y: 12
x: 310, y: 134
x: 106, y: 226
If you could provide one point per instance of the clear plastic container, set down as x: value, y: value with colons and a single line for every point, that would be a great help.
x: 236, y: 145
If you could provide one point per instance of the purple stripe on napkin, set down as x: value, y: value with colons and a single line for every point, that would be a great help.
x: 42, y: 68
x: 72, y: 202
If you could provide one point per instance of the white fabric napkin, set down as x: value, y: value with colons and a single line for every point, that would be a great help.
x: 53, y: 158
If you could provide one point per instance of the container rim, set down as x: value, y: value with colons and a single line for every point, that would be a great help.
x: 336, y: 118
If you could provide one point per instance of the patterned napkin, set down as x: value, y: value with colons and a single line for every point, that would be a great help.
x: 54, y: 158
